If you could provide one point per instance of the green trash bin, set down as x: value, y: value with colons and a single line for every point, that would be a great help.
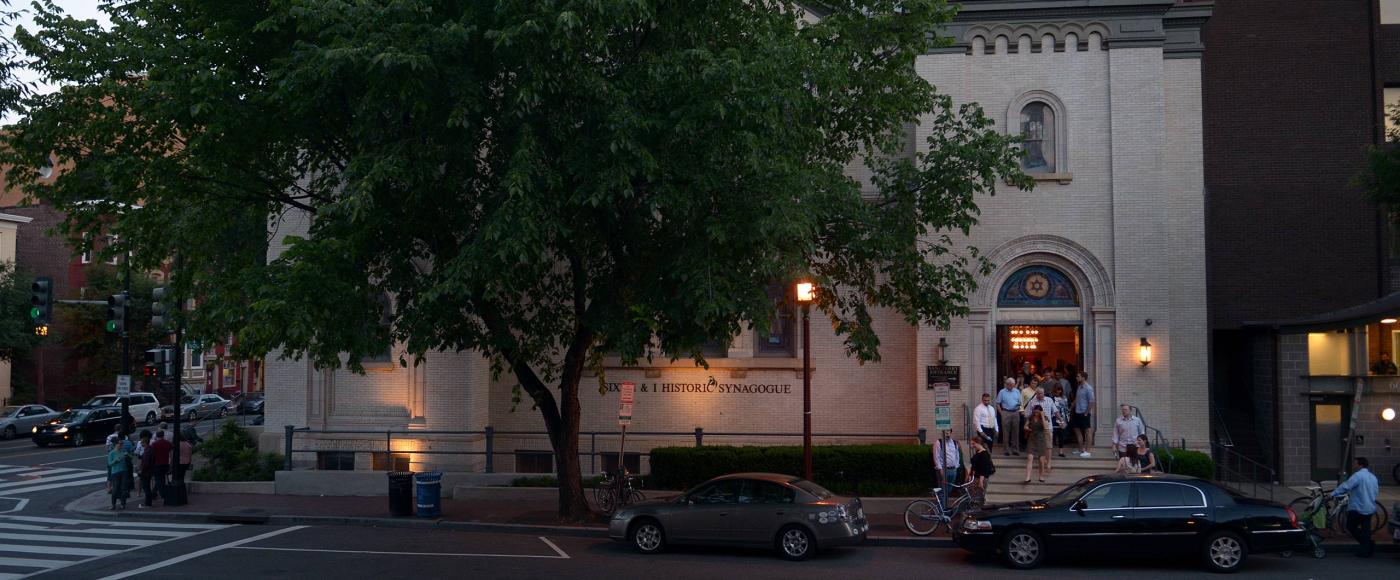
x: 400, y: 493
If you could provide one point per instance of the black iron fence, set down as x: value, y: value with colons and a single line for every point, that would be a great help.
x: 1242, y: 474
x: 487, y: 439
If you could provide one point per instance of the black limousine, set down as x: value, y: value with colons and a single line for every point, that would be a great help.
x: 1174, y: 515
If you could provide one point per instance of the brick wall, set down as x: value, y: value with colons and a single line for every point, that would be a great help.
x: 1290, y: 107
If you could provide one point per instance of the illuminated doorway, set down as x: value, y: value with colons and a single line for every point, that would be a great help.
x: 1044, y: 346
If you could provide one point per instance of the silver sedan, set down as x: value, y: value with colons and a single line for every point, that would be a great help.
x: 22, y: 419
x: 788, y: 513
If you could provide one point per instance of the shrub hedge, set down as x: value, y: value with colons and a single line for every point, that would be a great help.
x: 1186, y: 462
x: 846, y: 469
x: 231, y: 454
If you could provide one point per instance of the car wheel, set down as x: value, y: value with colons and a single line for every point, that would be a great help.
x: 796, y: 543
x: 10, y: 432
x: 79, y: 440
x: 648, y: 537
x: 190, y: 417
x: 223, y: 412
x: 1023, y: 549
x: 150, y: 418
x: 1225, y: 552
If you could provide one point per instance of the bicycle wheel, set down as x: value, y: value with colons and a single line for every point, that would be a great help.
x: 922, y: 517
x: 607, y: 499
x: 1379, y: 519
x: 1395, y: 473
x: 635, y: 497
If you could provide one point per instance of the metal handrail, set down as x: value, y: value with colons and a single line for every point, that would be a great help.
x: 1230, y: 466
x: 1221, y: 429
x: 489, y: 434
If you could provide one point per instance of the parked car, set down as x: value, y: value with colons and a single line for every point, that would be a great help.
x: 196, y: 407
x: 144, y: 406
x: 78, y: 426
x: 248, y: 403
x: 1105, y: 514
x: 17, y: 419
x: 788, y: 513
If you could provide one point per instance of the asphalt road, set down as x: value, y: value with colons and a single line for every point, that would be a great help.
x: 353, y: 552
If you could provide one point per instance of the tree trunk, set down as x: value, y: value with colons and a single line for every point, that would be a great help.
x: 573, y: 504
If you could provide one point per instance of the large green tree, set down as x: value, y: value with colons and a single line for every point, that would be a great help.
x: 17, y: 336
x: 541, y: 181
x: 1380, y: 180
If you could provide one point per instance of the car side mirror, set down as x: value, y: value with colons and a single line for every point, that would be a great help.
x: 1079, y: 506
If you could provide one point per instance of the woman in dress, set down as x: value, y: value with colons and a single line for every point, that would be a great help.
x: 1036, y: 444
x: 118, y: 469
x: 982, y: 467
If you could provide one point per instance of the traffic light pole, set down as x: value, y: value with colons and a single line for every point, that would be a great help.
x: 127, y: 419
x: 179, y: 372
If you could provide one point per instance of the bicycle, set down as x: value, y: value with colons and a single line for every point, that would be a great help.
x: 924, y: 516
x: 1313, y: 519
x: 1335, y: 510
x: 615, y: 492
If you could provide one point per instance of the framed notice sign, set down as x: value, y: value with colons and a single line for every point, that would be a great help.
x: 945, y: 374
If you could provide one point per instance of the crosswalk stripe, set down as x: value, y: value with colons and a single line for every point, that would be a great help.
x: 59, y: 550
x: 71, y: 540
x: 9, y: 492
x: 43, y: 478
x: 48, y: 470
x: 123, y: 524
x: 18, y: 469
x: 34, y: 563
x: 102, y: 531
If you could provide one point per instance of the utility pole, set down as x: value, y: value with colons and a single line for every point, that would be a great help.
x: 127, y: 419
x: 179, y: 372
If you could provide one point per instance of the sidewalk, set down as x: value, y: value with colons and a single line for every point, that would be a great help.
x: 479, y: 515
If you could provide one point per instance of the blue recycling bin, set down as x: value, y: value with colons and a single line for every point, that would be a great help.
x: 429, y: 485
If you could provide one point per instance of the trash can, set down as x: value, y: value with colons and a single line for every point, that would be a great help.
x: 400, y: 493
x: 429, y: 494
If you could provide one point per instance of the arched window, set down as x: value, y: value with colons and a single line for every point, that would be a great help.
x: 1040, y: 118
x: 1037, y: 287
x: 1038, y: 130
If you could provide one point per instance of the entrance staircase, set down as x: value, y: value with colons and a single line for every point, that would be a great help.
x: 1006, y: 486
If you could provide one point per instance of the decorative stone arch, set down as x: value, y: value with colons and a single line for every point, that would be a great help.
x: 1090, y: 277
x: 1013, y: 117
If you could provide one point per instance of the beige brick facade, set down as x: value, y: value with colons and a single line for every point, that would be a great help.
x: 1122, y: 218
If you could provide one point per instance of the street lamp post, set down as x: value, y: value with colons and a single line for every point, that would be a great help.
x: 805, y: 294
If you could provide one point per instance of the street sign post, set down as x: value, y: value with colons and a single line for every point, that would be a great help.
x: 123, y: 385
x: 942, y: 407
x: 624, y: 418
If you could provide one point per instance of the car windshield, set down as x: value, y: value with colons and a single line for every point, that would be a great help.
x: 73, y: 415
x: 9, y: 411
x: 816, y: 490
x: 1072, y: 492
x: 102, y: 401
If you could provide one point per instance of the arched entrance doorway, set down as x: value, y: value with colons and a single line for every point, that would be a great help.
x: 1040, y: 326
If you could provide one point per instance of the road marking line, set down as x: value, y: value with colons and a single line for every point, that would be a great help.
x: 19, y: 504
x: 43, y: 479
x: 378, y: 553
x: 200, y: 553
x: 556, y: 548
x: 110, y: 531
x: 60, y: 550
x: 40, y: 520
x: 34, y: 563
x: 18, y: 469
x: 52, y: 452
x: 68, y: 540
x: 70, y: 461
x: 93, y: 481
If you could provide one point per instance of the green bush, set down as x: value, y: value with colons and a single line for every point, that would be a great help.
x: 231, y: 454
x: 1186, y: 462
x: 845, y: 469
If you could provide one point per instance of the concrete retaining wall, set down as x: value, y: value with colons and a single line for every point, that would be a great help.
x: 374, y: 483
x: 247, y: 487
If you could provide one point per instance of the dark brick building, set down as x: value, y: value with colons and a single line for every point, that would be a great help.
x: 1292, y: 100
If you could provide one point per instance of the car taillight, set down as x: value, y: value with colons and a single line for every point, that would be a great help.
x: 1292, y: 517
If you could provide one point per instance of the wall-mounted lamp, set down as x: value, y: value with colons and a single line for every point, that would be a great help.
x: 1388, y: 414
x: 1387, y: 321
x: 1145, y: 352
x: 942, y: 351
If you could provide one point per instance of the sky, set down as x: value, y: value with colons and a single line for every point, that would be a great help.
x: 77, y: 8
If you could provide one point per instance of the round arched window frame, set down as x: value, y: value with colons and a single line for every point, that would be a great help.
x: 1042, y: 118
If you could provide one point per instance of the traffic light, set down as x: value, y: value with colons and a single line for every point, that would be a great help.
x: 158, y: 309
x: 116, y: 313
x: 41, y: 297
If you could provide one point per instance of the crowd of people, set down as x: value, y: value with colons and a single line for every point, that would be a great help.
x: 1038, y: 414
x: 147, y: 460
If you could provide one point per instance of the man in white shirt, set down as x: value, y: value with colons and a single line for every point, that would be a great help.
x: 1126, y: 430
x: 985, y: 417
x: 947, y: 458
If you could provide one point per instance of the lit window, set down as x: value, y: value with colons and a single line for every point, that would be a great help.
x: 112, y: 241
x: 1038, y: 130
x: 778, y: 341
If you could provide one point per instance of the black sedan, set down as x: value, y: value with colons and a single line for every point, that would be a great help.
x: 78, y: 427
x: 1170, y: 515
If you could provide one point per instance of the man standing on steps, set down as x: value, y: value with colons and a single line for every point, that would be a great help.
x: 1009, y: 408
x: 1083, y: 419
x: 1126, y: 430
x: 985, y: 417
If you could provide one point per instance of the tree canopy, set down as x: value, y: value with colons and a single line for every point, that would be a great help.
x: 541, y: 181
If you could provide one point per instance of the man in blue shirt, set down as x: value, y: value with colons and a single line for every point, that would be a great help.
x: 1009, y: 410
x: 1361, y: 505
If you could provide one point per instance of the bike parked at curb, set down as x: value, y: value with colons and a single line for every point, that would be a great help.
x: 925, y: 516
x: 1333, y: 511
x: 615, y: 492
